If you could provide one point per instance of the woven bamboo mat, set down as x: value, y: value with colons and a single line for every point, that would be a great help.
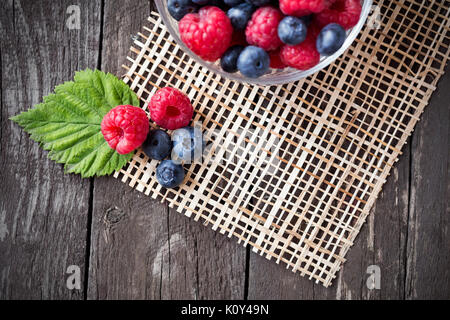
x: 293, y: 170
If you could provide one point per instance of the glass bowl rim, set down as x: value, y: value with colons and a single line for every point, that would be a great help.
x: 269, y: 79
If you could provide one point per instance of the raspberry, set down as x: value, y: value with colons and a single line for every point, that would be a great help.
x: 262, y: 29
x: 171, y: 109
x: 302, y: 56
x: 303, y: 7
x: 343, y: 12
x: 275, y: 60
x: 207, y: 33
x: 125, y: 128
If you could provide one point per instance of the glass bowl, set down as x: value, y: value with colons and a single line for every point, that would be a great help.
x: 275, y: 76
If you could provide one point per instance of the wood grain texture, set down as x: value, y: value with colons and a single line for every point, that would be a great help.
x: 128, y: 230
x: 151, y: 252
x: 214, y: 263
x: 43, y: 213
x: 428, y: 238
x: 126, y: 227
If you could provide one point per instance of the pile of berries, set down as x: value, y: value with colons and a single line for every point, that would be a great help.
x: 252, y: 36
x: 126, y: 128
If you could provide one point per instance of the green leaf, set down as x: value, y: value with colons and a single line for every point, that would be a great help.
x: 67, y: 123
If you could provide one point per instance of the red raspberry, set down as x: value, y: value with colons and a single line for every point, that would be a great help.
x: 207, y: 33
x: 125, y: 128
x: 343, y: 12
x: 275, y: 60
x: 302, y: 56
x: 303, y: 7
x: 171, y: 109
x: 262, y: 29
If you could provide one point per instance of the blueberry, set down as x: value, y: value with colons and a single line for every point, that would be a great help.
x: 179, y: 8
x: 253, y: 62
x: 292, y: 30
x: 158, y: 145
x: 258, y: 3
x: 169, y: 174
x: 233, y: 3
x: 230, y: 57
x: 330, y: 39
x: 188, y: 145
x: 241, y: 15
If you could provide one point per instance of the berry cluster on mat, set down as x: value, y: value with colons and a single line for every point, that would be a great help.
x: 126, y: 128
x: 252, y: 36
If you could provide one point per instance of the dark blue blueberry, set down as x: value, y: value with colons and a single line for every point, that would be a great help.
x: 230, y: 57
x: 258, y: 3
x: 157, y: 145
x: 179, y: 8
x: 330, y: 39
x: 188, y: 145
x: 241, y: 15
x: 253, y: 62
x: 233, y: 3
x: 292, y: 30
x: 169, y: 174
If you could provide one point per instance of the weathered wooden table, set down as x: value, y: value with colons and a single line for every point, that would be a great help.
x: 129, y: 246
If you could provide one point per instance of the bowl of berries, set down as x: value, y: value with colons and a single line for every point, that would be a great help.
x: 265, y: 42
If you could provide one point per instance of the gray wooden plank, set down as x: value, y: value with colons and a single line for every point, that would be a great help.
x: 144, y: 251
x: 380, y: 243
x: 205, y: 265
x: 271, y: 281
x: 128, y: 233
x: 126, y: 226
x: 43, y: 213
x: 428, y: 238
